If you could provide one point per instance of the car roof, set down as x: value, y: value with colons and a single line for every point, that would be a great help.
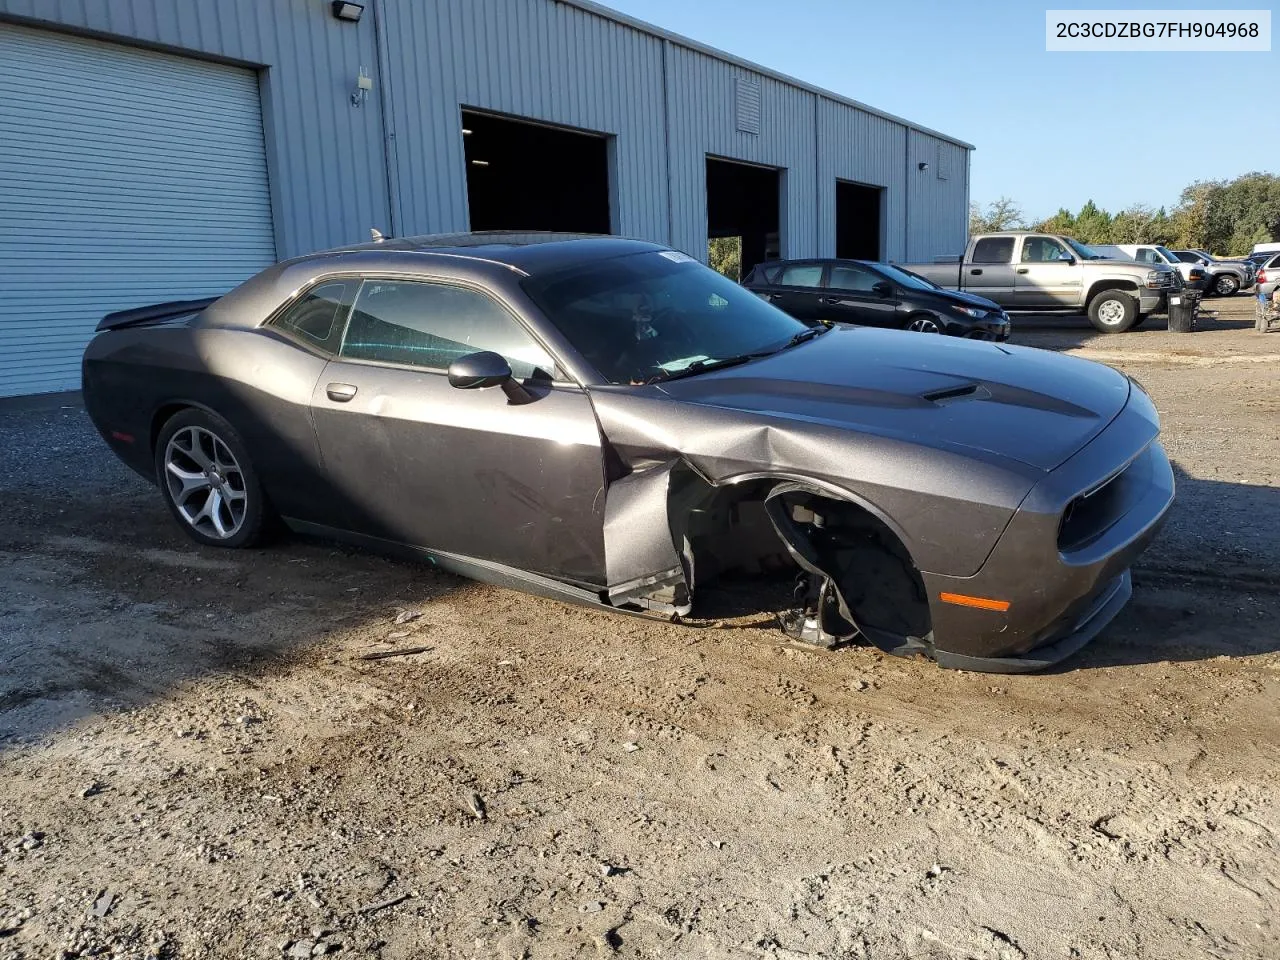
x: 529, y: 252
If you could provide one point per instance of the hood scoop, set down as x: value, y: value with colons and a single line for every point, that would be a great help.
x: 965, y: 391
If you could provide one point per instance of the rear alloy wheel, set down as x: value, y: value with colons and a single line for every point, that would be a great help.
x: 1113, y: 311
x: 1225, y: 285
x: 208, y: 483
x: 924, y: 324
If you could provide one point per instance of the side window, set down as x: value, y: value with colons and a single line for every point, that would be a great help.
x: 1274, y: 262
x: 1187, y: 257
x: 993, y: 250
x: 1041, y: 250
x: 850, y: 276
x: 317, y: 316
x: 801, y: 275
x: 430, y: 325
x: 1146, y: 255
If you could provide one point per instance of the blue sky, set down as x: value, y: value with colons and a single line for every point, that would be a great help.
x: 1052, y: 129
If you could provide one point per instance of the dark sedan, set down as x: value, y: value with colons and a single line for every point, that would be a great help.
x: 610, y: 422
x: 874, y: 295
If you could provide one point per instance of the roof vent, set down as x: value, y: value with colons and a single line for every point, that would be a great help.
x: 746, y: 92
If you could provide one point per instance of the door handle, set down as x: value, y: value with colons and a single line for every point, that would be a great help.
x: 831, y: 301
x: 1022, y: 269
x: 340, y: 392
x: 975, y: 273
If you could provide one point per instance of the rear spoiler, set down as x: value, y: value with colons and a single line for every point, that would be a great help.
x: 157, y: 311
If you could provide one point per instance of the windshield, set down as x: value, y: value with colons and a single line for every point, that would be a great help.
x: 1083, y: 252
x: 906, y: 278
x: 1169, y: 257
x: 650, y: 316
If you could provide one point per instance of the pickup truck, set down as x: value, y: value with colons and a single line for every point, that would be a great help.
x: 1025, y: 270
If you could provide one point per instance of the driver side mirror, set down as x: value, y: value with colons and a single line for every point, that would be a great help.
x: 882, y: 288
x: 1066, y: 257
x: 476, y: 371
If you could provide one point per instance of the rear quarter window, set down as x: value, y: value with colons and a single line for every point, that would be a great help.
x: 993, y: 250
x: 318, y: 315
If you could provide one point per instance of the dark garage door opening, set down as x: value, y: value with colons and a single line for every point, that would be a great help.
x: 529, y: 176
x: 743, y: 201
x: 857, y: 221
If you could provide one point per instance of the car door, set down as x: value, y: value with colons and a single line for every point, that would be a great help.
x: 851, y: 297
x: 798, y: 289
x: 1048, y: 275
x: 989, y: 272
x: 470, y: 472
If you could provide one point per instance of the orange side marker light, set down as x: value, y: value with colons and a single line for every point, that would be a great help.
x: 982, y: 603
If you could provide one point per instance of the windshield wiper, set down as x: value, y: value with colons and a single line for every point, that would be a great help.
x: 802, y: 336
x: 702, y: 366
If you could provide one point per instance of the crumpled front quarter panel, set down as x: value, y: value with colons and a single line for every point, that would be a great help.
x: 949, y: 509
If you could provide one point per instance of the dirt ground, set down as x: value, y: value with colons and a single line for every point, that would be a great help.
x: 196, y: 762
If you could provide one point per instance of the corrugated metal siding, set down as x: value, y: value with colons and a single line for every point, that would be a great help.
x: 134, y: 177
x: 867, y: 149
x: 326, y: 156
x: 529, y: 58
x: 332, y: 179
x: 701, y: 92
x: 937, y: 215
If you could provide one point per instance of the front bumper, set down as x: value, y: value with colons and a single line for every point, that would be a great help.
x: 1099, y: 611
x: 1152, y: 300
x: 1062, y: 582
x: 996, y: 327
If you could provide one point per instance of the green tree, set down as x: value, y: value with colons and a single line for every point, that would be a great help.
x: 1221, y: 216
x: 1230, y: 216
x: 725, y: 256
x: 1002, y: 214
x: 1093, y: 224
x: 1063, y: 223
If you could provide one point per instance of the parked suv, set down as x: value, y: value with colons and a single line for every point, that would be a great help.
x: 874, y: 295
x: 1194, y: 274
x: 1224, y: 277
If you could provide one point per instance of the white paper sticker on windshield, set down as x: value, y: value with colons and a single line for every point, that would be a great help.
x: 675, y: 256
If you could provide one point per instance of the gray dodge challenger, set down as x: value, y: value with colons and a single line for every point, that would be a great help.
x: 608, y: 422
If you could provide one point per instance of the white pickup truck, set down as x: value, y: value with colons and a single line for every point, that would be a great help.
x: 1039, y: 272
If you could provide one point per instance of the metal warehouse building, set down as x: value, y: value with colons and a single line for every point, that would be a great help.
x: 165, y: 149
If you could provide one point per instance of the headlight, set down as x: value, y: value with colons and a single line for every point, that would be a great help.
x: 970, y: 311
x: 1158, y: 278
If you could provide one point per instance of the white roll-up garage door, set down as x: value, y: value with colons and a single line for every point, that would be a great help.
x: 127, y: 177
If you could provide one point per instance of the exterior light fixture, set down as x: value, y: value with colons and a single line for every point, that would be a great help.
x: 479, y: 163
x: 923, y: 165
x: 364, y: 83
x: 345, y: 10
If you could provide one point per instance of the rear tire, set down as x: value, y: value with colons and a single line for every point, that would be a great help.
x: 1113, y: 311
x: 1225, y: 285
x: 208, y: 481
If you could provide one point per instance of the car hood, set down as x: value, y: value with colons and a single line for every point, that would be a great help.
x: 1032, y: 406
